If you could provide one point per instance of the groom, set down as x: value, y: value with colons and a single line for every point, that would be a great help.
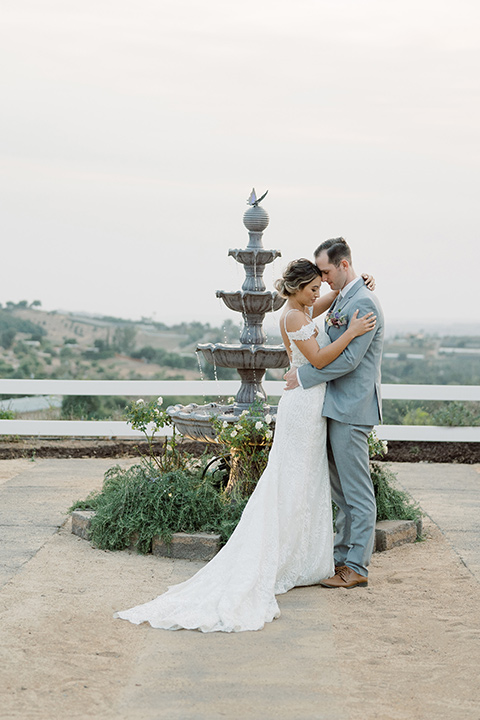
x: 352, y: 407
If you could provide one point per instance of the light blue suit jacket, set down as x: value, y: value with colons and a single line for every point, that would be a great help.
x: 353, y: 394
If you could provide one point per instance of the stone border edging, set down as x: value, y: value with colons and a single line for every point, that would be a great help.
x: 203, y: 546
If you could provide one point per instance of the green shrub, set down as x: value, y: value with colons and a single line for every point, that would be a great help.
x: 7, y: 415
x: 457, y: 414
x: 392, y: 503
x: 80, y: 407
x: 142, y: 500
x: 162, y: 496
x: 93, y: 407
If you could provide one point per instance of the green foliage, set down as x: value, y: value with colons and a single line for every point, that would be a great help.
x: 376, y: 447
x: 247, y: 441
x: 392, y: 503
x: 102, y: 351
x: 410, y: 412
x: 195, y: 331
x: 66, y: 352
x: 124, y: 339
x: 92, y: 407
x: 29, y: 367
x: 149, y: 418
x: 432, y: 370
x: 7, y: 337
x: 7, y: 415
x: 457, y: 414
x: 417, y: 416
x: 9, y: 321
x: 6, y: 370
x: 252, y: 427
x: 142, y: 500
x: 218, y: 373
x: 164, y: 358
x: 80, y: 407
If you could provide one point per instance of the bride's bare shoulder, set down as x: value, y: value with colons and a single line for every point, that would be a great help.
x: 294, y: 320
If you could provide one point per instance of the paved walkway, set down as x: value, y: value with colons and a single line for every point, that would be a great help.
x: 34, y: 496
x: 450, y: 495
x: 62, y: 654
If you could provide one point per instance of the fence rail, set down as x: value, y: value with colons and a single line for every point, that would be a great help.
x: 223, y: 388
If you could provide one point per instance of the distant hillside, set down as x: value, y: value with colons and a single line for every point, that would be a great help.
x: 36, y: 343
x: 40, y: 344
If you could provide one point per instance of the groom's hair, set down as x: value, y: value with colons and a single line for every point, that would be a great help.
x: 337, y: 249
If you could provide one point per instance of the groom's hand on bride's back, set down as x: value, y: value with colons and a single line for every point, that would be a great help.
x: 291, y: 379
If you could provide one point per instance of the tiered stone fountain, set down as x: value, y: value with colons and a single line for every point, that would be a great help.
x: 251, y: 357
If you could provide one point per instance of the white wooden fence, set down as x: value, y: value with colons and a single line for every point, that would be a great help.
x: 223, y: 388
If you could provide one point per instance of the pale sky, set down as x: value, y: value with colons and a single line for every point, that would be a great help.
x: 132, y: 133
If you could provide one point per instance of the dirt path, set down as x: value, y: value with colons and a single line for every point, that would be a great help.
x: 405, y: 648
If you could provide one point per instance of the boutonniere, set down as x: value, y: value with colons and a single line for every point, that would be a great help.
x: 336, y: 319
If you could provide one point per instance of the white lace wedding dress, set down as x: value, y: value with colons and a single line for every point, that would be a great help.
x: 284, y: 537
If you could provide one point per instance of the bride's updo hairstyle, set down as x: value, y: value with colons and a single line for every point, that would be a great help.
x: 297, y: 274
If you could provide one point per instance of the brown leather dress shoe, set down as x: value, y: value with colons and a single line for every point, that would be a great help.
x: 345, y: 577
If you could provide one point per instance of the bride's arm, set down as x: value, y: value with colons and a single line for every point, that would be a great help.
x: 323, y: 303
x: 319, y: 357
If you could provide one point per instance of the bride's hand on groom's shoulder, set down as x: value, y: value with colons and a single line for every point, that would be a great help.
x: 369, y: 281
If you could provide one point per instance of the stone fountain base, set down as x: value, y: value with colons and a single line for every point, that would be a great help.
x: 194, y: 421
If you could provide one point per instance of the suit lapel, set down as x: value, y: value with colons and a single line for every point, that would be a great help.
x: 340, y: 303
x: 353, y: 291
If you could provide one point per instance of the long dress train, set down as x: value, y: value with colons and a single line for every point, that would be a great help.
x: 284, y: 538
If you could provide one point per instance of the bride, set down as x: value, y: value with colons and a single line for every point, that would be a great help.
x: 285, y: 536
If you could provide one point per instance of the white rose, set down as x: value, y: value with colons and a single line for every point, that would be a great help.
x: 225, y: 424
x: 245, y: 412
x: 268, y: 419
x: 238, y: 427
x: 159, y: 401
x: 140, y: 402
x: 258, y: 425
x: 231, y: 400
x: 233, y: 433
x: 269, y: 434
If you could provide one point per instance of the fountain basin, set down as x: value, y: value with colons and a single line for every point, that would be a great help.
x: 254, y: 256
x: 194, y: 421
x: 245, y: 357
x: 252, y: 302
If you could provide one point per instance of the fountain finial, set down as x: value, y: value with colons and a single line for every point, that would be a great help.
x: 252, y: 200
x: 255, y: 218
